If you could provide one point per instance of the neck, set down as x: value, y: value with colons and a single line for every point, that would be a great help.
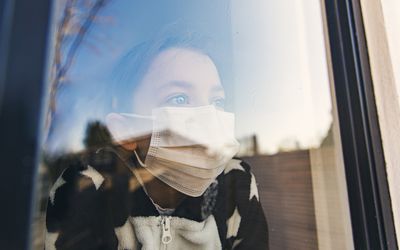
x: 162, y: 194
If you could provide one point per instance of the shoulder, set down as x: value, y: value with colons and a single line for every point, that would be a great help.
x: 82, y: 195
x: 75, y: 178
x: 239, y: 186
x: 84, y: 180
x: 91, y: 173
x: 238, y: 174
x: 75, y: 185
x: 244, y: 222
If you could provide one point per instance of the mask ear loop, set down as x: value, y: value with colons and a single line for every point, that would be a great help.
x: 115, y: 152
x: 141, y: 163
x: 139, y: 160
x: 128, y: 164
x: 137, y: 175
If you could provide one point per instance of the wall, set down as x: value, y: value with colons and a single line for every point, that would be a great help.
x: 379, y: 21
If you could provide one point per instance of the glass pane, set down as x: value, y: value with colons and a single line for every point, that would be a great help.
x: 191, y: 125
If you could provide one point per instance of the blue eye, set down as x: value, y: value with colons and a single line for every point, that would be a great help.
x: 178, y: 100
x: 219, y: 103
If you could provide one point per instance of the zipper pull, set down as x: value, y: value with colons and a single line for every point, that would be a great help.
x: 166, y: 230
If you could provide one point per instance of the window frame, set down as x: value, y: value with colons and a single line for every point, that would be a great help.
x: 23, y: 65
x: 369, y: 199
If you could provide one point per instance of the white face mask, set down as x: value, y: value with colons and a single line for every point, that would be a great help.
x: 189, y: 147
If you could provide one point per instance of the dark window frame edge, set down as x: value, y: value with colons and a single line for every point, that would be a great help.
x: 369, y: 198
x: 23, y: 81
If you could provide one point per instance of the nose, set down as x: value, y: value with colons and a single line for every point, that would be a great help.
x: 201, y: 98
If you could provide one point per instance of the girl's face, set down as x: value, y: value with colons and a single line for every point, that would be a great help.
x: 179, y: 77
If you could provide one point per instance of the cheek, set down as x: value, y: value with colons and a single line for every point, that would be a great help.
x: 143, y: 102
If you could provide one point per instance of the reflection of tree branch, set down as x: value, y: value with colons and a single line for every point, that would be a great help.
x: 81, y: 34
x: 61, y: 34
x: 60, y: 66
x: 65, y: 22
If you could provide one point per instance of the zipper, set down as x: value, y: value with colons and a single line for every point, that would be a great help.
x: 166, y: 237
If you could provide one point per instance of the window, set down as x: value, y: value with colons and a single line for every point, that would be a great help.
x: 222, y: 125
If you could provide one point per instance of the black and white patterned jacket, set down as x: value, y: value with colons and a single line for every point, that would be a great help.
x: 98, y: 204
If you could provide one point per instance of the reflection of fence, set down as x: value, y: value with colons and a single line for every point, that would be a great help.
x: 286, y: 193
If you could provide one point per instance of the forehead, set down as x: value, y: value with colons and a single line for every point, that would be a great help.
x: 177, y: 70
x: 182, y: 64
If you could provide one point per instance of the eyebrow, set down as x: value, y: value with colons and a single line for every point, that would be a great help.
x: 186, y: 85
x: 181, y: 84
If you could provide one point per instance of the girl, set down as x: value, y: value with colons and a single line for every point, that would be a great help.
x: 169, y: 179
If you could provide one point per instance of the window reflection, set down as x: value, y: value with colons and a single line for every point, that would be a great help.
x: 179, y: 124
